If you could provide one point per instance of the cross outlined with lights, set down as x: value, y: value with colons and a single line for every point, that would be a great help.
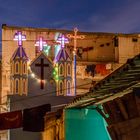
x: 62, y: 40
x: 41, y: 43
x: 19, y: 37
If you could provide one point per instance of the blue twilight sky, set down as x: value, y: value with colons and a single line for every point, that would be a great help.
x: 88, y: 15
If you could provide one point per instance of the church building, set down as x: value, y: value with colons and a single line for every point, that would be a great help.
x: 42, y: 75
x: 43, y: 58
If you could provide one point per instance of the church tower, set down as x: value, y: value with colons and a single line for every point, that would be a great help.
x: 19, y: 70
x: 64, y: 70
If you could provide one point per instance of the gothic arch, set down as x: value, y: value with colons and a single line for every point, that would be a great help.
x: 68, y: 88
x: 16, y: 68
x: 16, y: 86
x: 68, y: 69
x: 61, y: 88
x: 24, y: 68
x: 24, y: 87
x: 61, y: 69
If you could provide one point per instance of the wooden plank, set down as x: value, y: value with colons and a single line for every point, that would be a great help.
x: 136, y: 91
x: 130, y: 105
x: 122, y: 108
x: 128, y: 130
x: 114, y: 112
x: 112, y: 133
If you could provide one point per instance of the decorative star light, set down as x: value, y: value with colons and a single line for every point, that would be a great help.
x: 19, y: 37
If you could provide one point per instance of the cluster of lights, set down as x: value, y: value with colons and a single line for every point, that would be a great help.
x: 34, y: 76
x: 46, y: 49
x: 61, y: 40
x: 19, y: 38
x: 55, y: 72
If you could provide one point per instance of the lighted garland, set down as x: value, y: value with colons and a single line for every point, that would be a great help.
x: 55, y: 72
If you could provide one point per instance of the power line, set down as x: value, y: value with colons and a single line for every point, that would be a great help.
x: 50, y: 93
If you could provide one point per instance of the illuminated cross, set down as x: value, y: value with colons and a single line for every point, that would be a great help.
x: 42, y: 65
x: 62, y: 41
x: 75, y: 37
x: 40, y: 43
x: 19, y: 37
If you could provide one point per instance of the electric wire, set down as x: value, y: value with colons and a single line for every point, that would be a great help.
x: 50, y: 93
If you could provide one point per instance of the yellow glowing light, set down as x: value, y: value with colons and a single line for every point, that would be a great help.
x: 33, y: 75
x: 28, y: 63
x: 44, y: 81
x: 29, y: 68
x: 38, y: 80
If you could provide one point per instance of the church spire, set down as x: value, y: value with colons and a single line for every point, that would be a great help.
x: 64, y: 66
x: 19, y: 71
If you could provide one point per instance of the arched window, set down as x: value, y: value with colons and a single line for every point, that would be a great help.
x: 24, y: 86
x: 61, y: 88
x: 17, y: 67
x: 61, y: 69
x: 68, y: 69
x: 24, y: 68
x: 16, y: 86
x: 68, y: 88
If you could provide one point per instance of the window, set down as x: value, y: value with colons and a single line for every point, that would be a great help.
x: 16, y: 86
x: 61, y: 69
x: 24, y: 68
x: 107, y: 44
x: 17, y: 68
x: 116, y: 41
x: 134, y: 40
x: 69, y: 69
x: 61, y: 88
x: 68, y: 88
x: 24, y: 86
x: 102, y: 45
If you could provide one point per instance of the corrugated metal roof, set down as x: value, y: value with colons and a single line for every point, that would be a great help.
x: 121, y: 80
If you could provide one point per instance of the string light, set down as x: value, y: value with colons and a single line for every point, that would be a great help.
x: 38, y: 80
x: 55, y: 73
x: 33, y: 75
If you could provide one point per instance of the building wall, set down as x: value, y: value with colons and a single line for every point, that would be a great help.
x: 54, y: 128
x: 101, y: 52
x: 34, y: 81
x: 129, y: 46
x: 8, y: 48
